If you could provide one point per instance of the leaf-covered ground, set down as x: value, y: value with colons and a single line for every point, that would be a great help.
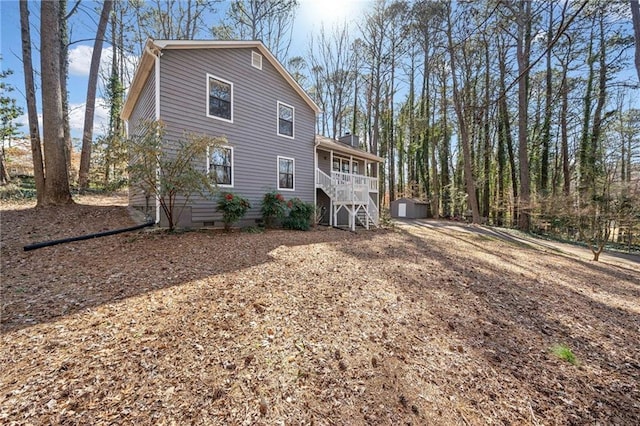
x: 413, y: 325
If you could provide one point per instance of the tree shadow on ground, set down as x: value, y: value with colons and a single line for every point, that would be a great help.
x: 46, y: 284
x: 508, y: 313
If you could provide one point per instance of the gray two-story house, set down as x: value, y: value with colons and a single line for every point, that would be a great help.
x: 239, y: 90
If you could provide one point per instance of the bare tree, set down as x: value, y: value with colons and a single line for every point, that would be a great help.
x: 635, y: 17
x: 32, y: 109
x: 57, y: 177
x: 523, y: 52
x: 87, y: 135
x: 330, y: 56
x: 270, y: 21
x: 170, y: 19
x: 463, y: 126
x: 376, y: 54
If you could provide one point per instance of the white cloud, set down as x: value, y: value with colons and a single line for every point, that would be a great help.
x: 100, y: 118
x: 80, y: 60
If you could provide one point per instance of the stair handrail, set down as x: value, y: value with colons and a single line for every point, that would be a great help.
x: 374, y: 211
x: 323, y: 179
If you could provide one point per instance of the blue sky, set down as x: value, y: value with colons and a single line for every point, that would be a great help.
x: 83, y: 25
x: 310, y: 15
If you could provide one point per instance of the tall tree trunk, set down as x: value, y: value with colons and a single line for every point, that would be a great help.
x: 500, y: 172
x: 392, y: 141
x: 523, y: 49
x: 87, y: 135
x: 546, y: 127
x: 426, y: 134
x: 470, y: 184
x: 435, y: 198
x: 64, y: 73
x: 4, y: 175
x: 585, y: 179
x: 57, y: 176
x: 564, y: 133
x: 445, y: 178
x: 505, y: 120
x: 635, y: 18
x: 486, y: 136
x: 596, y: 133
x: 32, y: 110
x: 411, y: 175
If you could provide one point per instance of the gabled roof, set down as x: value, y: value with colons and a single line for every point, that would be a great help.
x: 154, y: 47
x: 324, y: 142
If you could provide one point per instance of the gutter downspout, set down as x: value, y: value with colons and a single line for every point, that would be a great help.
x: 333, y: 218
x: 316, y: 143
x: 156, y: 56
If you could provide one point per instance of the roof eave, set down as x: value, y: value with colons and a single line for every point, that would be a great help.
x: 139, y: 78
x: 325, y: 143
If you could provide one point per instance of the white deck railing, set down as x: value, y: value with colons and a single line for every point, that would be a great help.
x: 339, y: 178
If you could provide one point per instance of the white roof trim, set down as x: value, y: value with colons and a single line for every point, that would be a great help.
x: 328, y: 144
x: 153, y: 46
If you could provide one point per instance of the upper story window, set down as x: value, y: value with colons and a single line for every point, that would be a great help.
x: 256, y: 60
x: 345, y: 165
x: 221, y: 165
x: 286, y: 170
x: 286, y: 114
x: 220, y: 98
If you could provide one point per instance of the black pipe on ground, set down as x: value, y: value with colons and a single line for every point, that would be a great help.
x: 86, y: 237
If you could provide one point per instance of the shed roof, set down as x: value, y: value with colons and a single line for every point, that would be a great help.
x: 412, y: 200
x: 333, y: 145
x: 154, y: 47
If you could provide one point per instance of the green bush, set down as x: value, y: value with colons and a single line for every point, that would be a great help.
x: 233, y: 208
x: 300, y: 215
x: 273, y: 207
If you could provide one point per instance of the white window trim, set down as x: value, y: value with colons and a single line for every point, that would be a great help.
x: 278, y: 173
x: 258, y: 57
x: 293, y: 126
x: 342, y: 159
x: 233, y: 172
x: 209, y: 77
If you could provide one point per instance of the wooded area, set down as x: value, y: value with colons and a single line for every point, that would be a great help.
x: 513, y: 113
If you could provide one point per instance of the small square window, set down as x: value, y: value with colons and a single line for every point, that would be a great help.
x: 221, y: 165
x: 286, y: 171
x: 286, y: 115
x: 220, y: 98
x: 256, y: 60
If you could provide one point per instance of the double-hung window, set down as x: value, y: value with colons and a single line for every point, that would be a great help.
x: 286, y: 171
x: 221, y: 165
x: 219, y: 98
x: 345, y: 165
x: 286, y: 114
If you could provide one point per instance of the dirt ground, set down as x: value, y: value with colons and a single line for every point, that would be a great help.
x: 411, y: 325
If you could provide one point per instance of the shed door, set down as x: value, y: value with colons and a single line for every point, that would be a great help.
x: 402, y: 209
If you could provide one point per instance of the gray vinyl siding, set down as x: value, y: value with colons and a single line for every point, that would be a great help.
x: 324, y: 161
x: 253, y: 133
x: 143, y: 111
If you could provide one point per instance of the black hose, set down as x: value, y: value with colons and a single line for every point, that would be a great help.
x: 86, y: 237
